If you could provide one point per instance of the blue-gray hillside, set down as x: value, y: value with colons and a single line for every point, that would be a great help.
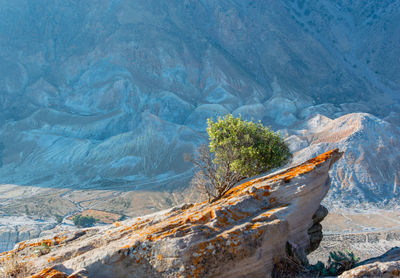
x: 101, y: 93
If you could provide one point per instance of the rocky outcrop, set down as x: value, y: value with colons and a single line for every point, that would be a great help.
x: 240, y: 235
x: 8, y: 238
x: 385, y: 266
x: 14, y: 229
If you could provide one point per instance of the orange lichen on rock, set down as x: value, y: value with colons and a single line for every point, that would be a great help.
x: 286, y: 175
x: 233, y: 226
x: 57, y: 240
x: 218, y: 214
x: 51, y: 259
x: 51, y: 273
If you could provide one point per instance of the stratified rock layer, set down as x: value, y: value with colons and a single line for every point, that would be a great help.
x: 240, y: 235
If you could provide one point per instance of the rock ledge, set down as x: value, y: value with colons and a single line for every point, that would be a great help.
x: 240, y: 235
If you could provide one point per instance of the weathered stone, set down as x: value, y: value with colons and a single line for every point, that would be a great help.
x: 51, y: 273
x: 239, y: 235
x: 320, y: 214
x: 367, y: 171
x: 315, y: 232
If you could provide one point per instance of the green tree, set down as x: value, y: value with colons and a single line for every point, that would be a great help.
x: 84, y: 221
x: 237, y: 149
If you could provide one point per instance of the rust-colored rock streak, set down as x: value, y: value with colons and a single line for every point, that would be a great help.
x: 51, y: 273
x: 240, y: 235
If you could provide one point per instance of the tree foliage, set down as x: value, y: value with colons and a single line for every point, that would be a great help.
x: 250, y: 148
x: 84, y: 221
x: 237, y: 149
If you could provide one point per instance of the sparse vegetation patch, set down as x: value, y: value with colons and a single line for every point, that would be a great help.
x: 84, y: 221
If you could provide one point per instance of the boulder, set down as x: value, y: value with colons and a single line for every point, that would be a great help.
x: 243, y: 234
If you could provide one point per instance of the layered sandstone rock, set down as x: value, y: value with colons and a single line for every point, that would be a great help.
x: 241, y: 235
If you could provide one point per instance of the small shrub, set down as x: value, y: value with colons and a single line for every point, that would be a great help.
x: 338, y: 262
x: 293, y: 266
x: 84, y: 221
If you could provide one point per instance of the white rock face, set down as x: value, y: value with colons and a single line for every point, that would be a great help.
x: 241, y: 234
x: 8, y: 238
x: 14, y: 229
x: 370, y: 164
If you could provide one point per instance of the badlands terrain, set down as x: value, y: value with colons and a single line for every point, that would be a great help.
x: 100, y: 100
